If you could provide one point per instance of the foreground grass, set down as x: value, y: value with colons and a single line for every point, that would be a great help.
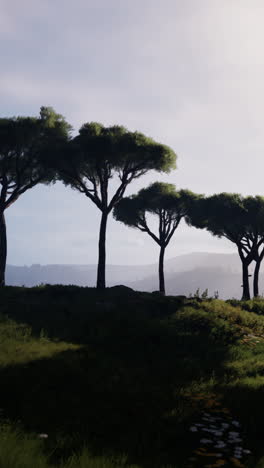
x: 119, y: 374
x: 19, y: 450
x: 18, y: 346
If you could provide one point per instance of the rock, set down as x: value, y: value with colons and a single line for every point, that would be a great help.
x: 206, y: 441
x: 121, y: 289
x: 193, y: 429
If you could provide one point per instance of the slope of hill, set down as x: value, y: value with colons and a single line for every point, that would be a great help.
x: 129, y: 378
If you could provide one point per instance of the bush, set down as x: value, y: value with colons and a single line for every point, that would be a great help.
x: 235, y: 315
x: 253, y: 305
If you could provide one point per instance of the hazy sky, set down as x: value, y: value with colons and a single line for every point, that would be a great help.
x: 189, y: 73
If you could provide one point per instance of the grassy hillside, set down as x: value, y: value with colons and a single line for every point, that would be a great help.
x: 129, y: 379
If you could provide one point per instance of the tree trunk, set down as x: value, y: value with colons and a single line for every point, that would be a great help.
x: 256, y: 278
x: 246, y: 292
x: 161, y: 270
x: 258, y: 260
x: 102, y: 255
x: 3, y: 249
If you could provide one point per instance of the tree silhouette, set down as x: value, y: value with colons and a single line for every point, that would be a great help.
x: 238, y: 219
x: 99, y: 153
x: 255, y: 232
x: 162, y: 200
x: 24, y: 143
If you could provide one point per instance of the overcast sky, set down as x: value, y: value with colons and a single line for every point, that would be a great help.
x: 189, y: 73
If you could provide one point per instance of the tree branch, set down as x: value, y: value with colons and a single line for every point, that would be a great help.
x: 175, y: 225
x: 146, y: 229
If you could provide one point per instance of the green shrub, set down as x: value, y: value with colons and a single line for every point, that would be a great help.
x: 199, y: 321
x: 235, y: 315
x: 253, y: 305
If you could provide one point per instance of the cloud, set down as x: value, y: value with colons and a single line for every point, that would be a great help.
x: 171, y: 66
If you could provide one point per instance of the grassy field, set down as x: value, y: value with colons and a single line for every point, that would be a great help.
x: 119, y: 379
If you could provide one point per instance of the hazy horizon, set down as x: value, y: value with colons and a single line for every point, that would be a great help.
x: 155, y: 262
x: 184, y: 275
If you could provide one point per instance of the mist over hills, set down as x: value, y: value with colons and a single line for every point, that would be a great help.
x: 184, y: 275
x: 226, y: 284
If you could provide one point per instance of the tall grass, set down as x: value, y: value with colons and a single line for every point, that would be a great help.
x: 20, y: 450
x: 19, y: 345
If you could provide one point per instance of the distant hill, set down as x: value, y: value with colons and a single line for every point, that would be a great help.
x: 82, y: 275
x: 227, y: 284
x: 184, y: 274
